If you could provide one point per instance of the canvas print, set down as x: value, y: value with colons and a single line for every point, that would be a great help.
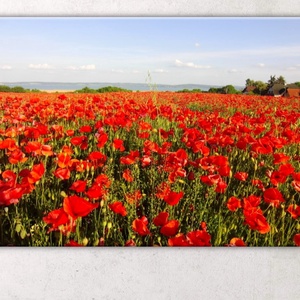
x: 149, y: 132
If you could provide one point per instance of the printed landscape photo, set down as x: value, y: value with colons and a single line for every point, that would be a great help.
x: 150, y: 132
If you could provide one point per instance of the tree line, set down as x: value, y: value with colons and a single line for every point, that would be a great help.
x: 260, y: 88
x: 16, y: 89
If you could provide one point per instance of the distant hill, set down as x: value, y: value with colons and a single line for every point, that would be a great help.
x: 96, y: 85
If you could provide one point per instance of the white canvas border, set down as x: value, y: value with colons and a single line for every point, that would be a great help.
x: 144, y: 273
x: 150, y: 8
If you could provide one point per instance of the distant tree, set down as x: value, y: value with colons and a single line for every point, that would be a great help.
x: 297, y: 83
x: 189, y: 91
x: 18, y: 89
x: 280, y: 80
x: 249, y: 82
x: 260, y: 87
x: 229, y: 89
x: 4, y: 88
x: 107, y: 89
x: 110, y: 89
x: 214, y: 90
x: 271, y: 81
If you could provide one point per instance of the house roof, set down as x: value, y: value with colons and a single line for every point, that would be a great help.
x: 293, y: 92
x: 248, y: 89
x: 292, y: 86
x: 278, y: 89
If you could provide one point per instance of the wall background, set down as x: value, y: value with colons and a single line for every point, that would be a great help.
x: 109, y: 273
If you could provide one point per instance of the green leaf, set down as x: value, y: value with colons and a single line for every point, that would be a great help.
x: 18, y: 228
x: 23, y: 234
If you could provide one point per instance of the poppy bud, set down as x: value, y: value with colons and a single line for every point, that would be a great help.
x: 85, y: 241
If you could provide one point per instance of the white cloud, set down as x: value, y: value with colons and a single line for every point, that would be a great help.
x: 179, y: 63
x: 88, y: 67
x: 136, y: 71
x: 160, y: 71
x: 71, y: 68
x: 5, y: 67
x: 291, y: 68
x: 233, y: 71
x: 84, y: 67
x: 117, y: 70
x: 197, y: 45
x: 261, y: 65
x: 40, y: 66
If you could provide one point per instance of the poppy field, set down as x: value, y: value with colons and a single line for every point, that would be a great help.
x: 149, y: 169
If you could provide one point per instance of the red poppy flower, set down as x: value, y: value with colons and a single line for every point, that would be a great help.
x: 140, y: 226
x: 127, y: 175
x: 78, y: 186
x: 277, y: 177
x: 97, y: 158
x: 130, y: 159
x: 134, y: 198
x: 76, y: 206
x: 256, y: 221
x: 297, y: 239
x: 77, y: 140
x: 17, y: 156
x: 70, y: 132
x: 251, y: 201
x: 9, y: 144
x: 47, y: 150
x: 258, y: 183
x: 294, y: 210
x: 162, y: 190
x: 10, y: 196
x: 280, y: 158
x: 199, y: 238
x: 145, y: 161
x: 73, y: 243
x: 224, y: 170
x: 170, y: 228
x: 118, y: 208
x: 242, y: 176
x: 130, y: 243
x: 9, y: 178
x: 236, y: 242
x: 234, y: 203
x: 273, y: 197
x: 63, y: 160
x: 178, y: 241
x: 161, y: 219
x: 37, y: 173
x: 62, y: 173
x: 33, y: 146
x: 210, y: 179
x: 296, y: 185
x: 221, y: 187
x: 85, y: 129
x: 286, y: 169
x: 67, y: 150
x: 102, y: 139
x: 172, y: 198
x: 56, y: 217
x: 95, y: 192
x: 118, y: 144
x: 103, y: 180
x: 80, y: 141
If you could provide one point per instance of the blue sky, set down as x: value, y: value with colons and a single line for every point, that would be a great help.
x: 213, y: 51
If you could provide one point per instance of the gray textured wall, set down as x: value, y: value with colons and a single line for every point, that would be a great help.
x: 107, y: 273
